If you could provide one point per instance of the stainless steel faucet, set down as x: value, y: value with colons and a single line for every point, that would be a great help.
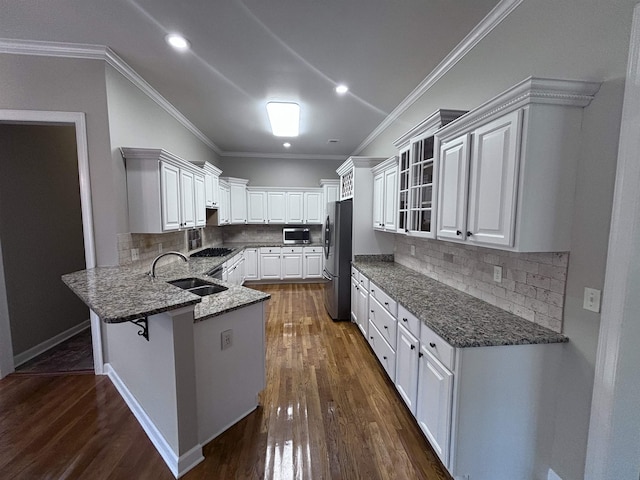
x: 155, y: 260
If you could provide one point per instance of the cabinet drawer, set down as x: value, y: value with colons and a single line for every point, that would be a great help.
x: 270, y: 250
x: 435, y: 344
x: 292, y: 249
x: 386, y: 355
x: 385, y: 322
x: 409, y: 321
x: 385, y: 300
x: 312, y: 249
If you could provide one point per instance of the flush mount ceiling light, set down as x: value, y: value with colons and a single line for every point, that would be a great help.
x: 286, y: 145
x: 284, y: 118
x: 342, y: 89
x: 177, y: 41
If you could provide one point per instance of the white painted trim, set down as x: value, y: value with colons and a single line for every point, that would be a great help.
x: 229, y: 425
x: 610, y: 453
x: 277, y: 156
x: 551, y: 475
x: 100, y: 52
x: 6, y: 347
x: 49, y: 343
x: 481, y: 30
x: 78, y: 120
x: 178, y: 465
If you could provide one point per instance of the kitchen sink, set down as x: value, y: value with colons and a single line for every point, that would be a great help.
x: 198, y: 286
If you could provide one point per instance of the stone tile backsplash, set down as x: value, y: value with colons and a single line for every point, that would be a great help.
x: 263, y: 233
x: 532, y: 287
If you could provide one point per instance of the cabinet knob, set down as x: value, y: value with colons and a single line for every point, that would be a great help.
x: 386, y: 328
x: 413, y: 347
x: 432, y: 345
x: 458, y: 232
x: 386, y: 303
x: 405, y: 320
x: 371, y: 338
x: 420, y: 354
x: 469, y: 234
x: 371, y: 311
x: 406, y: 230
x: 384, y: 356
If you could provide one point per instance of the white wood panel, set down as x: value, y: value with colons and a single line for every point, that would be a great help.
x: 291, y: 265
x: 390, y: 199
x: 452, y: 188
x: 256, y: 206
x: 276, y: 210
x: 407, y: 348
x: 295, y: 207
x: 187, y: 194
x: 312, y: 266
x: 170, y: 178
x: 200, y: 201
x: 313, y: 208
x: 378, y: 200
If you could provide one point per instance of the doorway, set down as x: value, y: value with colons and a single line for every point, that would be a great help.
x: 26, y: 232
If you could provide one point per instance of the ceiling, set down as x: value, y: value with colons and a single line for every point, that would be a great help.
x: 247, y: 52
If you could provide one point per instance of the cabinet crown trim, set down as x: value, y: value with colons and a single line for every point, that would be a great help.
x: 158, y: 154
x: 208, y: 167
x: 356, y: 162
x: 434, y: 121
x: 532, y: 90
x: 381, y: 167
x: 234, y: 180
x: 329, y: 181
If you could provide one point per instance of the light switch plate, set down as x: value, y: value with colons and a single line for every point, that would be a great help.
x: 497, y: 273
x: 135, y: 254
x: 591, y: 300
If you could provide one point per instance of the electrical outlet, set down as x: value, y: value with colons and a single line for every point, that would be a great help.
x: 413, y: 250
x: 497, y: 273
x: 227, y: 339
x: 159, y: 248
x: 135, y: 255
x: 591, y: 300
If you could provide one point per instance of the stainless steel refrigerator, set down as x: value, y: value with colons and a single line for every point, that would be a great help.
x: 336, y: 237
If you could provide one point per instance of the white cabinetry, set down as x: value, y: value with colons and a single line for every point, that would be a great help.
x: 385, y: 188
x: 238, y: 199
x: 313, y: 207
x: 276, y: 207
x: 236, y: 269
x: 291, y: 262
x: 417, y: 175
x: 252, y: 266
x: 270, y: 260
x: 162, y: 191
x: 295, y: 207
x: 360, y: 301
x: 330, y: 192
x: 312, y: 262
x: 211, y: 179
x: 508, y: 168
x: 256, y: 205
x: 407, y: 348
x: 224, y: 199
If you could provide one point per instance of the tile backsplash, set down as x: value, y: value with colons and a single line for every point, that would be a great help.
x: 532, y: 286
x: 263, y: 233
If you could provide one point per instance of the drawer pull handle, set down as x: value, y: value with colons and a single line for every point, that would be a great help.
x: 432, y: 345
x: 405, y: 320
x: 386, y: 303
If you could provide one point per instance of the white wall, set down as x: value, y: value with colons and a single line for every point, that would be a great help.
x: 280, y: 172
x: 582, y: 40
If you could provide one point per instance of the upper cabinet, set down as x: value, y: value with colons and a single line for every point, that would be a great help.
x: 385, y: 195
x: 256, y: 205
x: 237, y: 199
x: 211, y: 184
x: 507, y: 169
x: 417, y: 175
x: 330, y: 192
x: 165, y: 192
x: 293, y: 206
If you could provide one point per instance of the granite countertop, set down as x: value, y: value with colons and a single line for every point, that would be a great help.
x: 120, y: 294
x: 459, y: 318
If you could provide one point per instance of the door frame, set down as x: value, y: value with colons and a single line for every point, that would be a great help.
x: 77, y: 119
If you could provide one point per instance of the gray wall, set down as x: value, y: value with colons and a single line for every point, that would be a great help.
x: 280, y: 172
x: 583, y: 40
x: 40, y: 230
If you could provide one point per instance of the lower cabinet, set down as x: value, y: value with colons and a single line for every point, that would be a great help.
x: 270, y: 260
x: 251, y: 268
x: 291, y: 262
x: 407, y: 350
x: 312, y: 262
x: 360, y: 301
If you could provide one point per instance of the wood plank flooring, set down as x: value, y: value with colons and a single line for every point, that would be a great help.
x: 328, y: 412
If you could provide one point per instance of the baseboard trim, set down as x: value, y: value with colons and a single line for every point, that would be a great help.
x: 50, y: 343
x: 178, y: 465
x: 228, y: 426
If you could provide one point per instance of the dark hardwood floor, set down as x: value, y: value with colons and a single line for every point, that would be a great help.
x: 328, y: 412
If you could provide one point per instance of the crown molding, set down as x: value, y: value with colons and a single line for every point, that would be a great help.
x: 481, y: 30
x: 279, y: 156
x: 428, y: 126
x: 100, y: 52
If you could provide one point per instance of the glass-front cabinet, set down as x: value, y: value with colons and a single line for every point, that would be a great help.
x: 417, y: 173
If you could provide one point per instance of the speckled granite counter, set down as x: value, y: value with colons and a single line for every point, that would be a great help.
x: 119, y: 294
x: 459, y: 318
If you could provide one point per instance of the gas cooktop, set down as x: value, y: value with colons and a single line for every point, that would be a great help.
x: 212, y: 252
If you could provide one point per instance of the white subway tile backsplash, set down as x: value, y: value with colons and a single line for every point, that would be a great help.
x: 532, y: 287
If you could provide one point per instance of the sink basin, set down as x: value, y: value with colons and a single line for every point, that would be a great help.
x: 198, y: 286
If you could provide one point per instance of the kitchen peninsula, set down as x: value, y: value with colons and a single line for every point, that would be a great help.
x: 182, y: 381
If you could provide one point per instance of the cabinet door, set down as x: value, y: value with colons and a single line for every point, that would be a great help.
x: 291, y: 265
x: 493, y: 181
x: 170, y: 183
x: 270, y: 266
x: 421, y: 191
x: 403, y: 191
x: 363, y: 310
x: 312, y: 267
x: 295, y: 207
x: 313, y: 207
x: 187, y: 197
x: 390, y: 199
x: 256, y: 207
x: 215, y: 188
x: 238, y: 204
x: 276, y: 210
x: 433, y: 407
x: 330, y: 195
x: 201, y: 201
x: 208, y: 189
x: 378, y: 200
x: 452, y: 188
x: 251, y: 264
x: 407, y: 367
x: 354, y: 301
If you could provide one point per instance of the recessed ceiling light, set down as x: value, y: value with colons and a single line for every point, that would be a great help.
x: 177, y: 41
x: 286, y: 145
x: 342, y: 89
x: 284, y: 118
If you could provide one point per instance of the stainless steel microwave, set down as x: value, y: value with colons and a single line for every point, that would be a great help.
x: 295, y: 235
